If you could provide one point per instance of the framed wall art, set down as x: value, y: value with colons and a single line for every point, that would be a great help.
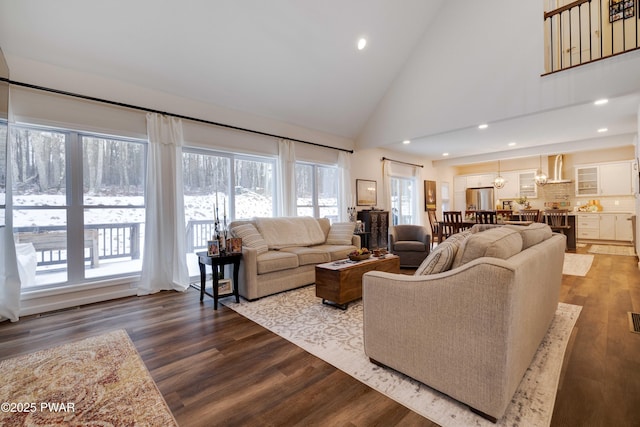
x: 366, y: 192
x: 429, y: 195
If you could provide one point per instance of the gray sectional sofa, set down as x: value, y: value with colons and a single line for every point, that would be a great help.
x: 470, y: 321
x: 281, y: 253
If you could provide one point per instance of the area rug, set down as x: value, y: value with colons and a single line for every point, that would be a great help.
x: 335, y: 336
x: 576, y: 264
x: 612, y: 250
x: 99, y: 381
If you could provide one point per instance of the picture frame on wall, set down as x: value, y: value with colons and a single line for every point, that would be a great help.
x: 366, y: 192
x: 429, y: 195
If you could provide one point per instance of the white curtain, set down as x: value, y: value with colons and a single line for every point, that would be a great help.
x: 416, y: 195
x: 386, y: 185
x: 287, y: 168
x: 164, y: 265
x: 9, y: 276
x: 344, y: 190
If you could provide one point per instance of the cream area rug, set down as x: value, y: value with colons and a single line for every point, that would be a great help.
x: 335, y: 336
x: 99, y: 381
x: 576, y: 264
x: 612, y: 250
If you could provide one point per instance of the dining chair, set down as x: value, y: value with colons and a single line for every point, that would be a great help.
x: 504, y: 214
x: 433, y: 222
x: 532, y: 215
x: 451, y: 223
x: 486, y: 217
x: 558, y: 220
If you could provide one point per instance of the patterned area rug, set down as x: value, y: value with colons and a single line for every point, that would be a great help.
x: 336, y: 336
x: 576, y: 264
x: 612, y: 250
x: 99, y: 381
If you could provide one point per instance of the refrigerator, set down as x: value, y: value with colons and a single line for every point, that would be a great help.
x: 480, y: 199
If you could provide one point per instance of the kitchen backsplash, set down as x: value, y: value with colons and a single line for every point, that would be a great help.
x: 563, y: 195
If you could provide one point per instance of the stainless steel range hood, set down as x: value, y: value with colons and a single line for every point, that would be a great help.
x: 558, y: 178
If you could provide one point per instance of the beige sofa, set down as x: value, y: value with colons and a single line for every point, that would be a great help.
x: 469, y: 331
x: 281, y: 253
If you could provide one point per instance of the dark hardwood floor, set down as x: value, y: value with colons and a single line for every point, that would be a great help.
x: 218, y: 368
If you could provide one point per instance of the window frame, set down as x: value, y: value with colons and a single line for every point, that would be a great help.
x: 315, y: 194
x: 73, y: 206
x: 413, y: 202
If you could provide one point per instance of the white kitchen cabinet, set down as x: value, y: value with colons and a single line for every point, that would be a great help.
x: 511, y: 189
x: 607, y: 227
x: 588, y: 226
x: 459, y: 183
x: 615, y: 179
x: 613, y: 226
x: 527, y: 184
x: 605, y: 179
x: 459, y: 201
x: 624, y: 227
x: 485, y: 180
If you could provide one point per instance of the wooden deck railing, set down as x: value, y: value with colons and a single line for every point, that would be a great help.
x: 585, y: 31
x: 104, y: 241
x: 198, y: 233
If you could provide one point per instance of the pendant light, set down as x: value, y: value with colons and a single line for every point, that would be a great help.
x: 540, y: 178
x: 499, y: 181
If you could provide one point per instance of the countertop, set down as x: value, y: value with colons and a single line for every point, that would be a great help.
x: 603, y: 213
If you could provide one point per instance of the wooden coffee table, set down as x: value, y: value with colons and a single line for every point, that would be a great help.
x: 340, y: 282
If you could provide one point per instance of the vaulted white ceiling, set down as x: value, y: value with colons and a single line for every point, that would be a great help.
x: 431, y: 71
x: 293, y: 61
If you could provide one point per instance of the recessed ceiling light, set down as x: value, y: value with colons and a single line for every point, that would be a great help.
x: 512, y: 144
x: 445, y: 154
x: 406, y: 141
x: 602, y: 130
x: 601, y: 101
x: 362, y: 43
x: 483, y: 126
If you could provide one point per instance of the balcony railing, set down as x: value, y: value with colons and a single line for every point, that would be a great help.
x: 585, y: 31
x: 101, y: 241
x: 198, y: 233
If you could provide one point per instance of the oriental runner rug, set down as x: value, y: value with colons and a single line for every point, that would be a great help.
x: 335, y: 336
x: 98, y: 381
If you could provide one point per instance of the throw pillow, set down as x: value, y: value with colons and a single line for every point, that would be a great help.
x: 500, y: 242
x: 532, y: 234
x: 341, y: 233
x: 439, y: 260
x: 250, y: 237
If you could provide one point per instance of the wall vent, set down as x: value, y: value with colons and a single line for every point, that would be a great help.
x: 634, y: 322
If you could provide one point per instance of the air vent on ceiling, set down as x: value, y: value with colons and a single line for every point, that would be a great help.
x: 634, y: 322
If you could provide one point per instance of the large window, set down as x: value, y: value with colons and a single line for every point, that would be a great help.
x: 78, y: 204
x: 317, y: 191
x: 240, y: 186
x: 114, y: 210
x: 403, y: 201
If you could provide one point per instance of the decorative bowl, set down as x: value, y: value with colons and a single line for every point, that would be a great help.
x: 359, y: 257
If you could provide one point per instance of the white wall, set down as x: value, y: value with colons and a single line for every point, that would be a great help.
x: 367, y: 164
x: 482, y: 62
x: 637, y: 152
x: 41, y: 74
